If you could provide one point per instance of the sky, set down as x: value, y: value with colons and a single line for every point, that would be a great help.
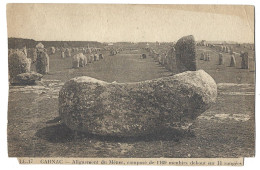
x: 135, y: 23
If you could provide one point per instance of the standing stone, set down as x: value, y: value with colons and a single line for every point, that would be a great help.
x: 89, y: 50
x: 133, y: 109
x: 75, y: 61
x: 156, y: 57
x: 227, y: 49
x: 91, y: 58
x: 53, y: 50
x: 68, y: 52
x: 39, y: 46
x: 83, y: 50
x: 32, y: 54
x: 42, y: 62
x: 163, y: 59
x: 166, y: 60
x: 96, y: 57
x: 222, y: 48
x: 208, y: 57
x: 160, y: 59
x: 62, y: 54
x: 244, y: 62
x: 220, y: 59
x: 232, y: 61
x: 186, y: 54
x: 202, y: 56
x: 18, y: 63
x: 171, y: 60
x: 205, y: 58
x: 252, y: 64
x: 101, y: 56
x: 82, y: 60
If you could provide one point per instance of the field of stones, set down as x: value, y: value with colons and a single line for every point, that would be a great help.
x: 226, y: 129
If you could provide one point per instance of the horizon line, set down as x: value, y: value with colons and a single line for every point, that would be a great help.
x: 133, y: 41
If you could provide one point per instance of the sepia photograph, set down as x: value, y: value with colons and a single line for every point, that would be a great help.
x: 131, y: 81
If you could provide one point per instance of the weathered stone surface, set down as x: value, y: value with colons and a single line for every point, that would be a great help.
x: 186, y: 54
x: 131, y: 109
x: 62, y: 54
x: 207, y: 57
x: 227, y: 49
x: 42, y: 62
x: 68, y: 52
x: 79, y: 60
x: 91, y: 58
x: 32, y: 54
x: 27, y: 78
x: 18, y: 63
x: 171, y: 60
x: 101, y: 56
x: 244, y: 62
x: 221, y: 59
x: 75, y: 61
x: 96, y: 57
x: 53, y: 50
x: 202, y: 56
x: 83, y: 61
x: 39, y: 46
x: 232, y: 61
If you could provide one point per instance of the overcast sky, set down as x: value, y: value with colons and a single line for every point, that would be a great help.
x: 111, y: 23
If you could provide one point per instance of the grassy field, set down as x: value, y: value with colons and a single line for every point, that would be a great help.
x: 225, y: 130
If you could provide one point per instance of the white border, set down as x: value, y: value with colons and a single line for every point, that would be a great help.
x: 8, y: 163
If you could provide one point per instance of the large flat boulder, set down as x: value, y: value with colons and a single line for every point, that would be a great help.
x: 27, y: 78
x: 132, y: 109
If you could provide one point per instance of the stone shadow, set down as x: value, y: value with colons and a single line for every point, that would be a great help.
x: 60, y: 133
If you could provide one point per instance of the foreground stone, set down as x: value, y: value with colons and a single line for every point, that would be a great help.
x: 132, y: 109
x: 18, y: 63
x: 27, y: 78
